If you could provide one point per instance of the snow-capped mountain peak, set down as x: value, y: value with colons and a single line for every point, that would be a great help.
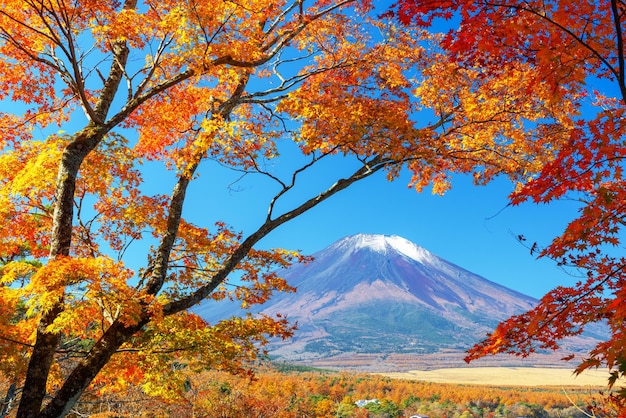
x: 382, y: 294
x: 385, y: 243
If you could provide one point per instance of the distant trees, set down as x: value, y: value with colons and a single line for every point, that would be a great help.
x: 297, y: 394
x: 383, y: 409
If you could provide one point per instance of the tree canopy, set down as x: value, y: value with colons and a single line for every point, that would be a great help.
x: 95, y: 91
x: 577, y: 52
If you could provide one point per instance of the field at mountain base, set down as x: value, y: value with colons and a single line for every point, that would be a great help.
x: 507, y: 376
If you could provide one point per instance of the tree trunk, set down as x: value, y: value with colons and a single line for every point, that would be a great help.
x: 89, y: 367
x: 47, y: 342
x: 8, y: 400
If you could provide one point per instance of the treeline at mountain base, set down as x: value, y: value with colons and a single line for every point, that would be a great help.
x: 295, y: 392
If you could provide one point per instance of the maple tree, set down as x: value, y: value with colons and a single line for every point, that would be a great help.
x: 577, y: 51
x: 95, y: 91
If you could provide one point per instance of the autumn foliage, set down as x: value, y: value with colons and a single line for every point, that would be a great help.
x: 117, y: 113
x: 323, y: 393
x: 576, y: 50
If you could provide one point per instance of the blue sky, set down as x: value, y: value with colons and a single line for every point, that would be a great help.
x: 470, y: 226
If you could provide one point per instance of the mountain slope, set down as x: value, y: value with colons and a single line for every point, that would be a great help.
x: 375, y: 293
x: 384, y: 294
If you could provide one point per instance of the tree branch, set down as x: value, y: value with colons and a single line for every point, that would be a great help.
x: 620, y: 48
x: 374, y: 165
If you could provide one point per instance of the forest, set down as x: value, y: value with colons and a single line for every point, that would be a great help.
x: 284, y: 391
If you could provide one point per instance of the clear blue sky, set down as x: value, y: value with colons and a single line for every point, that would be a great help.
x: 470, y: 226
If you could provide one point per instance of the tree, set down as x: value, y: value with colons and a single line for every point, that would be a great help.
x: 577, y: 51
x: 98, y: 90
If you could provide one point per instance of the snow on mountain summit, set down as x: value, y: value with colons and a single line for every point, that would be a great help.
x: 383, y: 243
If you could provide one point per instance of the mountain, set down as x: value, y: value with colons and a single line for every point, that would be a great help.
x: 368, y: 294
